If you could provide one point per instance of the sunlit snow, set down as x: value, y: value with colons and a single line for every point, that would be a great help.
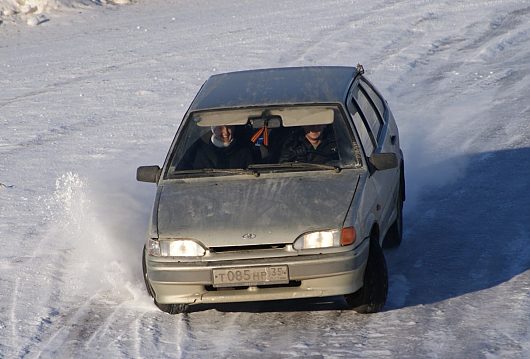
x: 94, y: 91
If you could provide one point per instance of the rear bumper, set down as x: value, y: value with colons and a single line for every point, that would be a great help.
x: 319, y: 275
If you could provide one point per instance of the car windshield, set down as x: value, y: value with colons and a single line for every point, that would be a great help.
x: 257, y: 140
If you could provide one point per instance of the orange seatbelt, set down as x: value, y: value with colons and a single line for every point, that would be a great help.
x: 264, y: 130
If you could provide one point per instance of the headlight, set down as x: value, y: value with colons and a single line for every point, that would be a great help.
x: 175, y: 248
x: 326, y: 239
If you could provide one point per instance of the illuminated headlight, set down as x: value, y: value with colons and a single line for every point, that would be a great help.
x: 175, y: 248
x: 325, y: 239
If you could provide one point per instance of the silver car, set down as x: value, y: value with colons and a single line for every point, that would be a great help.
x: 279, y: 184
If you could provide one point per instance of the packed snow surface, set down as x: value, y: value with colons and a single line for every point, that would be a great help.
x: 36, y: 12
x: 100, y: 90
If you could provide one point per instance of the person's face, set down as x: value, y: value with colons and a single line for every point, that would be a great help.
x: 223, y: 133
x: 313, y: 133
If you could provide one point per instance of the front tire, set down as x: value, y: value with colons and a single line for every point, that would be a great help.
x: 168, y: 308
x: 371, y: 298
x: 173, y: 308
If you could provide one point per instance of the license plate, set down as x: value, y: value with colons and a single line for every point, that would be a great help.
x: 244, y: 276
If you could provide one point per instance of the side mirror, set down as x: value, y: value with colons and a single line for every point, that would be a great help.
x: 148, y: 174
x: 383, y: 161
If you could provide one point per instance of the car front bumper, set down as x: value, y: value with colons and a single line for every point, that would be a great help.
x: 318, y: 275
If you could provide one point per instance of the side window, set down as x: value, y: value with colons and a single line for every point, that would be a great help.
x: 363, y: 132
x: 348, y: 148
x: 373, y: 118
x: 377, y: 101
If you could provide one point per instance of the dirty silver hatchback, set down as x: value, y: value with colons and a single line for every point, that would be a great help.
x: 280, y: 184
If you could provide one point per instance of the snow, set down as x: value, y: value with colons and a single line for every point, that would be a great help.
x: 36, y: 12
x: 98, y: 90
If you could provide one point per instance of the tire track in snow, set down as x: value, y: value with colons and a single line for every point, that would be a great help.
x: 93, y: 329
x: 13, y: 316
x: 62, y: 329
x: 103, y: 328
x: 58, y: 86
x: 499, y: 27
x: 49, y: 293
x: 230, y: 335
x: 58, y: 332
x: 329, y: 34
x: 92, y: 73
x: 442, y: 45
x: 292, y: 329
x: 49, y: 257
x: 137, y: 337
x: 48, y: 273
x: 51, y: 135
x: 335, y: 37
x: 51, y: 88
x: 184, y: 336
x: 450, y: 65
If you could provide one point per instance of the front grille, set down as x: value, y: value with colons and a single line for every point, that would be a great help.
x: 246, y: 248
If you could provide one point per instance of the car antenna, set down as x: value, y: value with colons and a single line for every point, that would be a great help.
x: 360, y: 69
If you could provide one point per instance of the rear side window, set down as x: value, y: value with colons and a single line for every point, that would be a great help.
x: 365, y: 136
x: 377, y: 101
x: 372, y: 117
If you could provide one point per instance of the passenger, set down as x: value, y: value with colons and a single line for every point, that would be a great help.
x: 224, y: 150
x: 314, y: 145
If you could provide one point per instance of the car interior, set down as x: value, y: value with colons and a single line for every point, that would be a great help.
x: 265, y: 133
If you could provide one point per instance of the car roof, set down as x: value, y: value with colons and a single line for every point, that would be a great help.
x: 275, y: 86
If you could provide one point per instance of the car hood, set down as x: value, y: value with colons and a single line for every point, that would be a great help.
x: 236, y: 211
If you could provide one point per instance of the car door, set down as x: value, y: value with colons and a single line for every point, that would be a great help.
x: 368, y: 117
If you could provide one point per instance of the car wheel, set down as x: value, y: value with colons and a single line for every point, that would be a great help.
x: 394, y: 235
x: 146, y: 281
x: 173, y: 308
x: 168, y: 308
x: 371, y: 298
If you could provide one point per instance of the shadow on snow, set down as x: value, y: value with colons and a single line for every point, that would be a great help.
x: 466, y: 236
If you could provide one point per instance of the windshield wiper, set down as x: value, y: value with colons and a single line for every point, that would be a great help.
x: 254, y: 169
x: 296, y: 165
x: 213, y: 171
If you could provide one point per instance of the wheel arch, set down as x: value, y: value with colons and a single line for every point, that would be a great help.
x: 375, y: 233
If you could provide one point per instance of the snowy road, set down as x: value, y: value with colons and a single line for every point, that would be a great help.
x: 87, y: 97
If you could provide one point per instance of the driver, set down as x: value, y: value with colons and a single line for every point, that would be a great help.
x: 314, y: 144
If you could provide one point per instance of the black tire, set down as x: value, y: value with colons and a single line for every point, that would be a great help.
x: 168, y: 308
x: 173, y: 308
x: 394, y: 236
x: 146, y: 281
x: 371, y: 298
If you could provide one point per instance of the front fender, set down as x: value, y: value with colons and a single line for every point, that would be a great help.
x: 363, y: 214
